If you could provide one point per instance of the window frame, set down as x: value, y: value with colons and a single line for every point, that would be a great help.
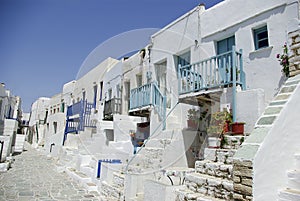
x: 257, y: 40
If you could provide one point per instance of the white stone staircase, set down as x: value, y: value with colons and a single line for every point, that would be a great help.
x: 213, y: 176
x: 292, y: 192
x: 19, y: 143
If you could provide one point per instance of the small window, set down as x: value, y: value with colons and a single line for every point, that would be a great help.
x: 139, y: 80
x: 261, y: 38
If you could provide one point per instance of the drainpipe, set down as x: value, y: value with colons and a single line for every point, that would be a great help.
x: 2, y: 144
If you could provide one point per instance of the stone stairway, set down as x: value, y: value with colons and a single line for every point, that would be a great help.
x: 213, y: 176
x: 292, y: 192
x: 19, y: 144
x: 113, y: 191
x: 80, y: 166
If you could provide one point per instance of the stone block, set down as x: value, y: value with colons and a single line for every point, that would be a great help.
x: 237, y: 179
x: 228, y: 186
x: 214, y: 183
x: 238, y: 197
x: 243, y: 163
x: 247, y: 181
x: 242, y: 171
x: 202, y: 190
x: 210, y: 154
x: 245, y: 190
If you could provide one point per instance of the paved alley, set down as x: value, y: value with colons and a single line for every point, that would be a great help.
x: 33, y: 176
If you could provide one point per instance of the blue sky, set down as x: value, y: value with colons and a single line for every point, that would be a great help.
x: 44, y: 42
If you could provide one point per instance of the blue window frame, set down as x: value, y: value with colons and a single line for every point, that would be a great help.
x: 225, y: 45
x: 261, y: 38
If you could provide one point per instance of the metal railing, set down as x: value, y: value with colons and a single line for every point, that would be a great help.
x: 78, y: 117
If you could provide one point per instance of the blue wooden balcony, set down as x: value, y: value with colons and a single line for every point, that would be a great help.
x: 148, y: 95
x: 223, y: 70
x: 78, y: 117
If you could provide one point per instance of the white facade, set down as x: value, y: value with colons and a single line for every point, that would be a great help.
x: 196, y: 36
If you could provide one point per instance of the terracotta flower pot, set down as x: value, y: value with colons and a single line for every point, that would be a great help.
x: 192, y: 124
x: 237, y: 127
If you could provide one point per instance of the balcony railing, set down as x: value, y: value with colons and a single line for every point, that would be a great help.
x: 148, y: 95
x: 111, y: 107
x: 78, y: 117
x: 222, y: 70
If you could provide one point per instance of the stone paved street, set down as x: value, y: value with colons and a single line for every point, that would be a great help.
x: 33, y: 176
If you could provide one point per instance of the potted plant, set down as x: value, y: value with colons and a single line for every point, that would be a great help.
x: 228, y: 121
x: 193, y: 118
x: 237, y: 127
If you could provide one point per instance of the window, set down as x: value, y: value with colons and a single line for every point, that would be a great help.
x: 95, y: 96
x: 225, y: 45
x: 261, y: 37
x: 118, y: 90
x: 109, y: 94
x: 184, y: 59
x: 139, y: 80
x: 101, y: 89
x: 161, y: 76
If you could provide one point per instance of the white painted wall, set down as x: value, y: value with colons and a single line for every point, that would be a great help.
x: 89, y: 80
x: 276, y: 155
x: 250, y: 111
x: 38, y: 110
x: 261, y: 67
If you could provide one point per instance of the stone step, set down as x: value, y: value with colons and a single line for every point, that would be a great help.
x: 111, y: 192
x: 294, y: 179
x: 289, y: 195
x: 219, y: 155
x: 188, y: 195
x: 215, y: 169
x: 209, y: 185
x: 118, y: 179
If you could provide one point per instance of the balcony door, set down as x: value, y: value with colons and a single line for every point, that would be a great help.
x: 161, y: 76
x: 225, y: 61
x: 225, y: 45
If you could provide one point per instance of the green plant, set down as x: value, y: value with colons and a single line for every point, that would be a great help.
x: 192, y: 114
x: 284, y: 60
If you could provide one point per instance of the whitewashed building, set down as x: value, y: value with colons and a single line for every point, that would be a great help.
x: 127, y: 133
x: 10, y: 116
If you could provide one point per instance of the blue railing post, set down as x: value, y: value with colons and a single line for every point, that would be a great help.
x: 242, y: 73
x: 234, y: 69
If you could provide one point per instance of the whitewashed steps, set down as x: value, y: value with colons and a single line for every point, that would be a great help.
x: 292, y: 192
x: 289, y: 195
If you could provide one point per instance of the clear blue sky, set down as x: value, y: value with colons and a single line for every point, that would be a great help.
x: 44, y: 42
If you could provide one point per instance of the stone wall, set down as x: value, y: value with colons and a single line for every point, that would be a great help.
x: 294, y: 46
x: 242, y: 180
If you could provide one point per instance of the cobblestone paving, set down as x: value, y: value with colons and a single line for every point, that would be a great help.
x: 33, y: 177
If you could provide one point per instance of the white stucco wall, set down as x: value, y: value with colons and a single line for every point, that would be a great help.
x: 276, y: 155
x: 89, y: 80
x: 261, y: 66
x: 38, y: 110
x: 112, y: 78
